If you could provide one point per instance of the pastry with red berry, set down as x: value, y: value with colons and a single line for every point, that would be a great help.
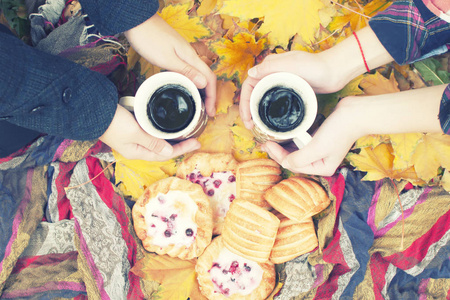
x: 173, y: 217
x: 254, y: 177
x: 215, y: 173
x: 223, y: 274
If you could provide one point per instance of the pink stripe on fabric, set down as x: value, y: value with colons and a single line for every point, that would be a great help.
x: 49, y: 286
x: 373, y: 207
x: 61, y: 148
x: 422, y: 290
x: 406, y: 213
x: 91, y: 264
x: 19, y: 217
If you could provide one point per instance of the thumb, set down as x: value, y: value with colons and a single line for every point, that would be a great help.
x: 193, y: 74
x: 155, y: 145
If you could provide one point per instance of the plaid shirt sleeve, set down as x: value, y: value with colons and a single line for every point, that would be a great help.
x: 410, y: 31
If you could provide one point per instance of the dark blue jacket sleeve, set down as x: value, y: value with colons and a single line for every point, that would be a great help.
x: 56, y: 96
x: 111, y: 17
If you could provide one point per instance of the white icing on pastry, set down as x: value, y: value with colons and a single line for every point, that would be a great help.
x: 220, y: 188
x: 170, y: 219
x: 231, y: 274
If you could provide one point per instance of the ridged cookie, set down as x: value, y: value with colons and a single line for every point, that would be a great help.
x: 254, y: 177
x: 297, y: 198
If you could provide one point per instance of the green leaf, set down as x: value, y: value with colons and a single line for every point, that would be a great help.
x: 431, y: 72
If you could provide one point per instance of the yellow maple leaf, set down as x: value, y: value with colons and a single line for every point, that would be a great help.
x: 245, y: 147
x: 431, y: 154
x: 282, y: 19
x: 377, y: 84
x: 378, y: 162
x: 217, y: 136
x: 133, y: 176
x: 371, y: 140
x: 237, y: 56
x: 190, y: 28
x: 225, y: 95
x: 177, y: 277
x: 357, y: 15
x: 404, y: 146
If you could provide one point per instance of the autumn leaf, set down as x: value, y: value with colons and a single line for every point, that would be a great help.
x: 177, y: 277
x: 282, y: 19
x: 431, y: 71
x: 225, y: 95
x: 404, y: 146
x: 245, y: 147
x: 357, y: 15
x: 431, y: 154
x: 217, y: 136
x: 237, y: 56
x: 378, y: 162
x: 133, y: 176
x: 190, y: 28
x: 371, y: 140
x: 377, y: 84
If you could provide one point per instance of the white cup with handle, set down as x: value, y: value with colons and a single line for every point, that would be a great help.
x: 168, y: 106
x: 283, y: 107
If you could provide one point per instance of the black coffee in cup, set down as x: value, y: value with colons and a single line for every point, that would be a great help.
x: 281, y: 109
x: 171, y: 108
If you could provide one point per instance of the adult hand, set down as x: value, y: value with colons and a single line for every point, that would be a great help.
x: 314, y: 68
x: 328, y: 147
x: 161, y: 45
x: 125, y: 136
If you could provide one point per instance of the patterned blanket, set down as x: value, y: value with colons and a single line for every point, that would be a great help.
x: 67, y: 232
x: 66, y: 229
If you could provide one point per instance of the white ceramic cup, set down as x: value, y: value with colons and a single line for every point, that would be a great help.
x: 291, y: 81
x: 138, y: 104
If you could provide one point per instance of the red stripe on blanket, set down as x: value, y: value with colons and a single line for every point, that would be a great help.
x: 106, y: 192
x: 378, y: 268
x: 419, y: 248
x: 44, y: 260
x: 337, y: 184
x: 333, y: 254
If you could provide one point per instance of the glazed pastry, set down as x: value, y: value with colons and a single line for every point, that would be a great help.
x: 298, y: 198
x: 254, y: 177
x: 225, y: 275
x: 173, y: 217
x: 250, y: 230
x: 293, y: 239
x: 215, y: 173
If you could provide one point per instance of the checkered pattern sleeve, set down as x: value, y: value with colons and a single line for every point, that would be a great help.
x: 410, y: 31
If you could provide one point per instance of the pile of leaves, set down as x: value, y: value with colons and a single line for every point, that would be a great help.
x: 232, y: 36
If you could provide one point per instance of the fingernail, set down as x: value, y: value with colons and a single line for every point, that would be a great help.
x: 252, y: 72
x: 167, y: 150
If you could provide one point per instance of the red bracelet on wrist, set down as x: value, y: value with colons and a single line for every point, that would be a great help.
x: 362, y: 53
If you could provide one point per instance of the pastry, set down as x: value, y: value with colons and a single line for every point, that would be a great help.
x: 225, y: 275
x: 173, y: 217
x: 250, y: 230
x: 215, y: 173
x: 293, y: 239
x: 297, y: 198
x: 254, y: 177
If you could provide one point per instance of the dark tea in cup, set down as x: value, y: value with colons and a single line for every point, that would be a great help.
x: 168, y: 105
x: 171, y: 108
x: 281, y: 109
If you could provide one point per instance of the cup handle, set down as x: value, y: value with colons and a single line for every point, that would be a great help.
x: 302, y: 139
x: 127, y: 102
